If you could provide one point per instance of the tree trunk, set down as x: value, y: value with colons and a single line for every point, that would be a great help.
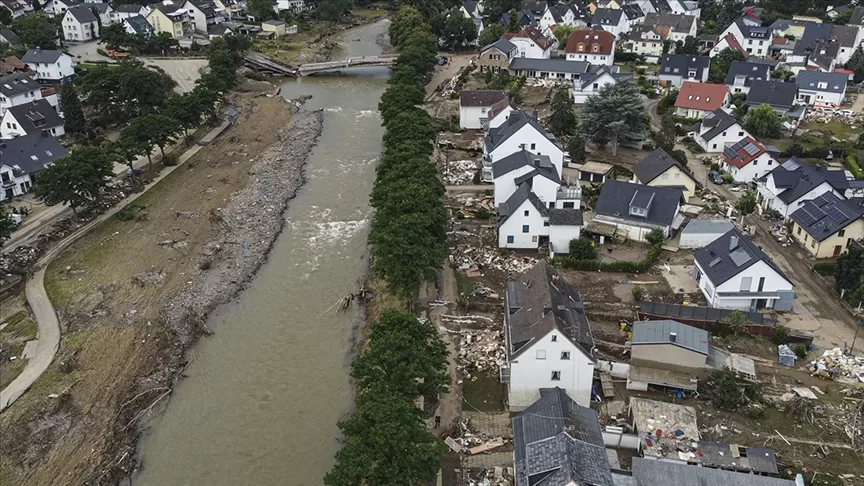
x: 162, y: 150
x: 149, y: 160
x: 614, y: 146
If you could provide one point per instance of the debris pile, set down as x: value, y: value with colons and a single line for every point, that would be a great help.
x: 472, y: 442
x: 846, y: 117
x: 459, y: 172
x: 481, y: 352
x: 781, y: 233
x: 18, y: 260
x: 834, y: 364
x: 468, y: 251
x: 497, y: 476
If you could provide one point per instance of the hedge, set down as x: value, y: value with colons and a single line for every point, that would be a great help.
x: 825, y: 268
x: 620, y: 267
x: 854, y: 166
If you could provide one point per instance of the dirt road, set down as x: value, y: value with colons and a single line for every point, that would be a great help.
x: 455, y: 62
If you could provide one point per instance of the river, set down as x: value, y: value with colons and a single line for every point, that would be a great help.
x: 265, y: 391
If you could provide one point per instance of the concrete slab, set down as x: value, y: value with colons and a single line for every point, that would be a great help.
x: 30, y: 349
x: 680, y: 280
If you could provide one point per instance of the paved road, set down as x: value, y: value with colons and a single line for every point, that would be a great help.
x: 45, y: 315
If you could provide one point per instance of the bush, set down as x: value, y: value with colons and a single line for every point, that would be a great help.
x: 582, y: 249
x: 780, y: 335
x: 655, y: 237
x: 727, y: 178
x: 101, y: 52
x: 638, y: 293
x: 854, y: 166
x: 728, y: 391
x: 620, y: 267
x: 825, y: 268
x: 692, y: 145
x: 169, y: 160
x: 800, y: 350
x: 128, y: 212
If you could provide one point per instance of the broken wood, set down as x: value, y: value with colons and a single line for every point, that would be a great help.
x: 488, y: 446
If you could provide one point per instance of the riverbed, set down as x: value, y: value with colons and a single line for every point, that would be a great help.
x: 264, y: 393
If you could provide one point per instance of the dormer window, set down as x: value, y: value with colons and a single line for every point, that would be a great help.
x: 642, y: 212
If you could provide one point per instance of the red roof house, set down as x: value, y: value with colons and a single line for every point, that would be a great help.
x: 695, y: 100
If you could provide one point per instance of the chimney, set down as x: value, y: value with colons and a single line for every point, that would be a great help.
x: 673, y: 337
x: 733, y: 243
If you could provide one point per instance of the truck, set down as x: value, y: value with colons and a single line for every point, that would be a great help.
x: 115, y: 53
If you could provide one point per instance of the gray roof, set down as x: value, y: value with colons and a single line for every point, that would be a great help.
x: 752, y: 71
x: 513, y: 124
x: 559, y: 441
x: 836, y: 82
x: 821, y: 53
x: 607, y: 16
x: 616, y: 197
x: 816, y: 32
x: 522, y: 193
x: 730, y: 457
x: 678, y: 22
x: 502, y: 45
x: 844, y: 34
x: 775, y: 93
x: 36, y: 116
x: 652, y: 472
x: 481, y: 97
x: 82, y: 13
x: 708, y: 227
x: 17, y: 83
x: 565, y: 217
x: 590, y: 77
x: 753, y: 32
x: 274, y: 22
x: 523, y: 158
x: 549, y: 65
x: 717, y: 121
x: 798, y: 178
x: 656, y: 163
x: 679, y: 64
x: 9, y: 36
x: 632, y: 11
x: 729, y: 255
x: 827, y: 214
x: 139, y: 24
x: 660, y: 332
x: 48, y: 56
x: 539, y: 302
x: 128, y: 8
x: 99, y: 7
x: 31, y: 153
x: 857, y: 17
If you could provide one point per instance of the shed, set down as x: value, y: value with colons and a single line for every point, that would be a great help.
x: 277, y: 27
x: 668, y: 344
x: 701, y: 232
x: 592, y: 171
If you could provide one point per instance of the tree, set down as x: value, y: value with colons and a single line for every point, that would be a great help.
x: 847, y: 272
x: 562, y: 33
x: 737, y: 322
x: 406, y: 353
x: 161, y: 43
x: 35, y: 31
x: 333, y: 10
x: 126, y: 151
x: 79, y: 179
x: 721, y: 63
x: 127, y: 90
x: 150, y: 130
x: 490, y: 35
x: 115, y: 36
x: 583, y: 249
x: 493, y: 9
x: 856, y: 64
x: 664, y: 138
x: 513, y: 25
x: 7, y: 224
x: 261, y: 9
x: 563, y: 120
x: 411, y: 125
x: 406, y: 21
x: 386, y: 442
x: 459, y: 31
x: 615, y: 114
x: 763, y: 121
x: 728, y: 391
x: 73, y: 114
x: 746, y: 205
x: 188, y: 109
x: 576, y: 147
x: 690, y: 45
x: 398, y: 98
x: 655, y: 237
x: 5, y: 19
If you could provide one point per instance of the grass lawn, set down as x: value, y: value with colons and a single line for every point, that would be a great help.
x: 485, y: 394
x: 838, y: 129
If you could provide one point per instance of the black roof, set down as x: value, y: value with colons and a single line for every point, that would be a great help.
x: 514, y: 123
x: 31, y: 153
x: 36, y: 116
x: 17, y: 83
x: 751, y: 71
x: 656, y: 163
x: 520, y: 159
x: 522, y: 193
x: 616, y: 197
x: 632, y: 11
x: 798, y: 178
x: 753, y: 32
x: 129, y: 8
x: 827, y: 214
x: 557, y: 441
x: 9, y: 36
x: 653, y: 472
x: 502, y: 45
x: 816, y: 32
x: 716, y: 122
x: 47, y: 56
x: 484, y: 97
x: 565, y: 217
x: 83, y: 13
x: 607, y: 16
x: 139, y: 24
x: 775, y: 93
x: 857, y: 17
x: 821, y: 53
x: 729, y: 255
x: 730, y: 457
x: 679, y: 64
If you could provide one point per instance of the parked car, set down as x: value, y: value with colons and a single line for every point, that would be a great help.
x: 716, y: 177
x: 830, y: 155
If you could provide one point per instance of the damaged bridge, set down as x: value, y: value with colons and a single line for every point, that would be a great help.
x: 351, y: 62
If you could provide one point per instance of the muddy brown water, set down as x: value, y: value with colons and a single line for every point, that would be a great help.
x: 264, y: 393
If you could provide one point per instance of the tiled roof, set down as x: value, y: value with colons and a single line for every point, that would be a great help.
x: 48, y: 56
x: 524, y: 158
x: 82, y: 13
x: 749, y: 71
x: 701, y: 96
x: 502, y: 45
x: 36, y: 116
x: 833, y: 82
x: 717, y: 122
x: 729, y: 255
x: 17, y: 83
x: 679, y: 23
x: 523, y: 193
x: 531, y: 32
x: 565, y: 217
x: 590, y: 42
x: 481, y: 97
x: 733, y: 44
x: 679, y: 64
x: 743, y: 152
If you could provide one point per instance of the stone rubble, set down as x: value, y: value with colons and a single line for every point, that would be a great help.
x: 466, y: 253
x: 459, y: 172
x: 480, y: 351
x: 834, y: 364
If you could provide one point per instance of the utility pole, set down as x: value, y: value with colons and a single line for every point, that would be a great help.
x: 858, y: 324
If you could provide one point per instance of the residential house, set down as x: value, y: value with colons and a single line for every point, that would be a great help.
x: 474, y: 107
x: 224, y: 29
x: 50, y: 66
x: 741, y: 75
x: 612, y: 21
x: 511, y: 171
x: 632, y: 211
x: 21, y: 158
x: 80, y: 24
x: 848, y: 37
x: 531, y: 43
x: 277, y: 27
x: 695, y: 100
x: 791, y: 27
x: 12, y: 64
x: 747, y: 160
x: 592, y: 46
x: 559, y: 69
x: 813, y: 54
x: 733, y: 273
x: 595, y: 172
x: 36, y: 116
x: 857, y: 17
x: 668, y: 345
x: 659, y: 169
x: 471, y: 9
x: 558, y: 440
x: 756, y: 40
x: 833, y: 12
x: 526, y: 222
x: 789, y: 185
x: 572, y: 14
x: 18, y: 89
x: 203, y: 13
x: 728, y: 41
x: 734, y: 457
x: 17, y: 7
x: 653, y: 6
x: 651, y: 472
x: 717, y: 130
x: 634, y: 14
x: 701, y: 232
x: 680, y: 26
x: 827, y: 224
x: 293, y: 6
x: 647, y: 40
x: 519, y: 131
x: 137, y: 25
x: 548, y: 339
x: 589, y: 84
x: 9, y: 37
x: 171, y: 19
x: 781, y: 96
x: 523, y: 19
x: 102, y: 10
x: 499, y: 113
x: 677, y: 68
x: 497, y: 56
x: 821, y: 89
x: 58, y: 8
x: 125, y: 11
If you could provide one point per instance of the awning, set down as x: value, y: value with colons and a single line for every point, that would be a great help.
x: 600, y: 228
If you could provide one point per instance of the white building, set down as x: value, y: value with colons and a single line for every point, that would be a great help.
x: 17, y: 89
x: 23, y: 157
x: 610, y: 20
x: 701, y: 232
x: 126, y: 11
x: 741, y: 75
x: 564, y: 14
x: 755, y: 40
x: 589, y: 84
x: 717, y: 130
x: 80, y: 24
x: 50, y: 66
x: 647, y: 40
x: 727, y: 42
x: 747, y: 160
x: 633, y: 210
x: 520, y: 131
x: 792, y: 183
x: 293, y: 6
x: 526, y: 222
x: 679, y: 26
x: 523, y: 166
x: 54, y: 8
x: 734, y: 273
x: 474, y: 107
x: 548, y: 339
x: 531, y: 43
x: 677, y: 68
x: 499, y: 113
x: 592, y: 46
x: 203, y: 13
x: 821, y: 89
x: 36, y: 116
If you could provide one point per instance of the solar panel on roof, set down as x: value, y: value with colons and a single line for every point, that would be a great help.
x: 790, y: 165
x: 740, y: 257
x: 751, y: 149
x: 837, y: 214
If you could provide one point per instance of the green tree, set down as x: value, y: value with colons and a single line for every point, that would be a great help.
x: 583, y: 249
x: 127, y: 90
x: 115, y: 36
x: 7, y: 224
x: 562, y: 122
x: 333, y: 10
x: 690, y: 45
x: 615, y: 114
x: 79, y: 179
x: 490, y: 35
x: 493, y: 9
x: 856, y: 64
x: 126, y: 151
x: 763, y: 121
x: 746, y: 205
x: 406, y: 353
x: 850, y: 266
x: 406, y: 21
x: 459, y: 31
x: 188, y: 109
x: 35, y: 31
x: 73, y: 115
x: 513, y: 25
x: 5, y: 19
x: 562, y: 33
x: 150, y: 130
x: 737, y: 322
x: 664, y: 138
x: 161, y: 43
x: 398, y: 98
x: 261, y: 9
x: 386, y: 442
x: 655, y: 237
x: 721, y: 63
x: 412, y: 125
x: 576, y: 147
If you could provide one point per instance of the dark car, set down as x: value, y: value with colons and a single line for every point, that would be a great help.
x: 716, y: 177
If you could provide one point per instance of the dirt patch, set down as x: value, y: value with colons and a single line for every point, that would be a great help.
x: 122, y: 347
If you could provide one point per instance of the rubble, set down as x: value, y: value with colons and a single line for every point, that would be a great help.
x: 851, y: 119
x: 481, y: 351
x: 465, y: 253
x: 781, y: 233
x: 459, y: 172
x: 835, y: 365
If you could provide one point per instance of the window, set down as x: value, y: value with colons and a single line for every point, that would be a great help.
x: 534, y: 239
x: 527, y: 213
x: 569, y: 205
x: 746, y: 282
x: 509, y: 238
x: 841, y: 233
x: 533, y: 146
x: 805, y: 238
x: 525, y: 228
x: 554, y: 338
x: 740, y: 134
x: 541, y: 354
x: 665, y: 177
x: 545, y: 223
x: 556, y: 376
x: 813, y: 244
x: 799, y: 231
x: 677, y: 175
x: 714, y: 146
x: 565, y: 354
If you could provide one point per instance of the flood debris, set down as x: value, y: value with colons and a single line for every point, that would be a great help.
x: 468, y: 250
x: 459, y: 172
x: 835, y: 365
x: 481, y: 351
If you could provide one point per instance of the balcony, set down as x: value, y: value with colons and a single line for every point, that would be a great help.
x: 7, y: 184
x: 569, y: 192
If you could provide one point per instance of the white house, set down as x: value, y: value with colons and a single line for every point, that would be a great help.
x: 522, y: 166
x: 564, y: 14
x: 589, y: 84
x: 592, y: 46
x: 80, y: 24
x: 125, y: 11
x: 677, y: 68
x: 741, y: 75
x: 22, y: 158
x: 734, y: 273
x: 36, y: 116
x: 747, y: 160
x: 548, y: 339
x: 520, y: 131
x: 50, y: 66
x: 695, y: 100
x: 610, y: 20
x: 701, y: 232
x: 679, y: 26
x: 792, y: 183
x: 849, y: 37
x: 755, y: 40
x: 474, y: 107
x: 137, y: 25
x: 717, y: 130
x: 54, y: 8
x: 203, y: 13
x: 526, y: 222
x: 634, y: 210
x: 499, y: 113
x: 557, y: 69
x: 728, y: 41
x: 647, y: 40
x: 104, y: 11
x: 17, y: 89
x: 531, y: 43
x: 821, y: 89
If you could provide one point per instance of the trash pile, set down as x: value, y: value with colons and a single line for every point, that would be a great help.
x: 497, y: 476
x: 781, y: 234
x: 18, y: 261
x: 835, y: 365
x: 846, y: 117
x: 468, y: 252
x: 472, y: 442
x: 459, y: 172
x: 481, y: 351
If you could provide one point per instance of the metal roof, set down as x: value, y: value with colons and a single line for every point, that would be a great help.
x: 737, y: 457
x: 697, y: 313
x: 671, y: 332
x: 729, y: 255
x: 652, y: 472
x: 750, y: 70
x: 708, y: 227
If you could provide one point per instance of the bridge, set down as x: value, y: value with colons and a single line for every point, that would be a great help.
x: 266, y: 65
x: 351, y: 62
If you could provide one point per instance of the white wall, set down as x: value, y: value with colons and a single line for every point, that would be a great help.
x: 505, y: 185
x: 501, y: 117
x: 22, y: 183
x: 598, y: 59
x: 514, y: 225
x: 197, y: 16
x: 634, y: 232
x: 821, y: 96
x: 528, y: 49
x: 534, y: 142
x: 56, y: 71
x: 773, y: 202
x: 560, y: 237
x: 469, y: 117
x: 752, y: 171
x: 773, y: 283
x: 729, y: 136
x: 529, y: 374
x: 11, y: 128
x: 20, y: 99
